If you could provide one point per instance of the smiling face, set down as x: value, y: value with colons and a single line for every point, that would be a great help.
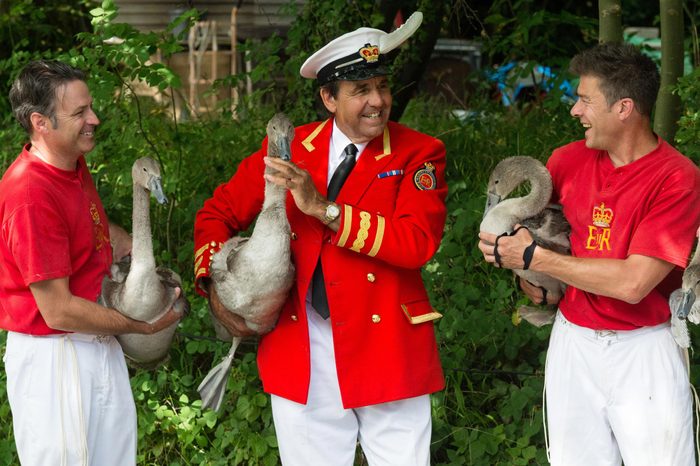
x: 594, y: 113
x: 71, y: 132
x: 361, y: 108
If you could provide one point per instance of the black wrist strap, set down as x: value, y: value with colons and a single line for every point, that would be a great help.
x: 496, y: 255
x: 527, y: 255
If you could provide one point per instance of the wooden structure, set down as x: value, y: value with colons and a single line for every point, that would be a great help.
x: 257, y: 19
x: 212, y: 42
x: 203, y: 42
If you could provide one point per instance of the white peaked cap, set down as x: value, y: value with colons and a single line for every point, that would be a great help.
x: 359, y: 54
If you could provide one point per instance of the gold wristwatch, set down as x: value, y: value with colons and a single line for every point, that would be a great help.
x: 332, y: 212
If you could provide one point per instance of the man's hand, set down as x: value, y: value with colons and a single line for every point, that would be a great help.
x: 535, y: 293
x: 120, y: 240
x: 169, y: 318
x: 235, y: 324
x: 506, y: 251
x: 299, y: 182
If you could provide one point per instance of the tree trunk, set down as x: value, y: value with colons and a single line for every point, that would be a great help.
x: 668, y: 105
x: 610, y: 21
x: 410, y: 65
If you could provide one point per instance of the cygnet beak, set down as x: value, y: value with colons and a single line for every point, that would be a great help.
x: 680, y: 302
x: 491, y: 200
x: 285, y: 149
x: 156, y: 188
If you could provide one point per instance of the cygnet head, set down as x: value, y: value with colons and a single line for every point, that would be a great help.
x: 681, y: 301
x: 280, y: 132
x: 511, y: 173
x: 146, y: 174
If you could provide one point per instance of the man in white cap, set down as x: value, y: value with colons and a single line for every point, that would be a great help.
x: 353, y: 356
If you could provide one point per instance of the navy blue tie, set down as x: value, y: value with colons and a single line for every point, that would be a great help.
x: 319, y: 300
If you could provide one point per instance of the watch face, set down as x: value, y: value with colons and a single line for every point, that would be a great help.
x: 332, y: 211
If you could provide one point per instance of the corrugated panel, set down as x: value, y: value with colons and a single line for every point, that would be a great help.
x: 256, y: 18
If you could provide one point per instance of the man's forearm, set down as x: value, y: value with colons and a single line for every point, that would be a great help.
x: 63, y: 311
x: 628, y: 280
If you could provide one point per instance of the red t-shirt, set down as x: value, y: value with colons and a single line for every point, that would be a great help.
x: 649, y: 207
x: 53, y: 226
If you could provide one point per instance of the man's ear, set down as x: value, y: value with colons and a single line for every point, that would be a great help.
x: 626, y: 107
x: 40, y: 123
x: 328, y: 99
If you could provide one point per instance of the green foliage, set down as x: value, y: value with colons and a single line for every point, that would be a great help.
x: 30, y: 27
x: 172, y: 425
x: 34, y: 25
x: 688, y: 133
x: 525, y: 30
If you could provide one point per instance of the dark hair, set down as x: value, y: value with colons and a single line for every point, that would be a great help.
x: 624, y: 72
x: 332, y: 88
x: 35, y: 88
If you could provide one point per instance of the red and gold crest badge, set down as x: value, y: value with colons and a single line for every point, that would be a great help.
x: 424, y: 178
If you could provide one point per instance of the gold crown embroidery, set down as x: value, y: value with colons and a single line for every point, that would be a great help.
x: 602, y: 217
x: 370, y: 53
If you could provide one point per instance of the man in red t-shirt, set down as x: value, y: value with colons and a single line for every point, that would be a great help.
x: 67, y: 381
x: 616, y: 382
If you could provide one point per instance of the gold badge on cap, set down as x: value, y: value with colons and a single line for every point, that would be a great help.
x: 370, y: 53
x: 424, y: 178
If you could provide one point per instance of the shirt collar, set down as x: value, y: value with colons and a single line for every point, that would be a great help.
x: 339, y: 142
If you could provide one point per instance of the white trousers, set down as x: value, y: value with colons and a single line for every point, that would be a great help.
x: 323, y: 433
x: 71, y: 400
x: 617, y: 396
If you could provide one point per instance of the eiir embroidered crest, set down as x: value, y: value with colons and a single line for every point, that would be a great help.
x: 599, y: 232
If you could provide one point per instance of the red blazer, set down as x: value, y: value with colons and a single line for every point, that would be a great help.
x: 392, y: 217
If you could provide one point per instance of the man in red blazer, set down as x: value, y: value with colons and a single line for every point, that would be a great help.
x: 353, y: 355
